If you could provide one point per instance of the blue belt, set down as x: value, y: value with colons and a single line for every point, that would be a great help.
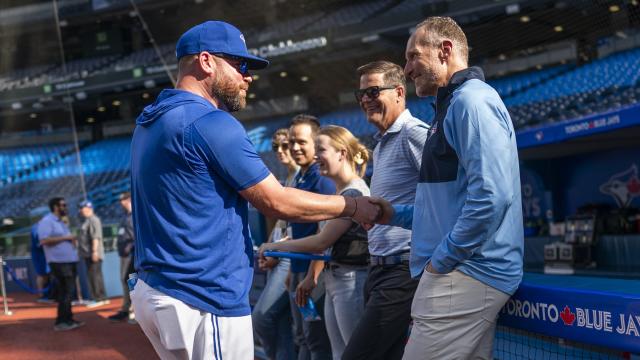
x: 389, y: 260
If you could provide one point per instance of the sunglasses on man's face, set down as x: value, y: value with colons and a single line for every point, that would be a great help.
x: 237, y: 62
x: 372, y: 92
x: 275, y: 146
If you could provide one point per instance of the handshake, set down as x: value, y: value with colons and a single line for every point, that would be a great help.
x: 372, y: 210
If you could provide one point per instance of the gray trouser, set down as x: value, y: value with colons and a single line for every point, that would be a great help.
x: 125, y: 262
x: 454, y: 317
x: 95, y: 279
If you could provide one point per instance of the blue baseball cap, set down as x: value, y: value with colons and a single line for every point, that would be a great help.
x: 84, y: 204
x: 217, y: 37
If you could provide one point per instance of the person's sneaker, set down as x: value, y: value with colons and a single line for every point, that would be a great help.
x: 132, y: 321
x: 66, y: 326
x: 120, y: 316
x: 94, y: 304
x: 80, y: 302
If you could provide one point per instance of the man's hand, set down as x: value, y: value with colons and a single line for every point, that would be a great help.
x: 94, y: 256
x: 74, y: 241
x: 431, y: 270
x: 367, y: 212
x: 386, y: 210
x: 267, y: 263
x: 303, y: 291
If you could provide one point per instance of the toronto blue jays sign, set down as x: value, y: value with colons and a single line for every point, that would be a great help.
x: 607, y: 319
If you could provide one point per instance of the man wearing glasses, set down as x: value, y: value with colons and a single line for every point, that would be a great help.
x: 60, y: 251
x: 193, y: 172
x: 381, y: 332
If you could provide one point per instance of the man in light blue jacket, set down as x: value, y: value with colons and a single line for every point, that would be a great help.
x: 467, y: 241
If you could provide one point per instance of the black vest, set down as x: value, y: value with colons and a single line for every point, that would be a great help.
x: 439, y: 160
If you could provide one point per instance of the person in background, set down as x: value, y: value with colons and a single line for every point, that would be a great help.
x: 126, y: 237
x: 381, y: 332
x: 91, y: 250
x: 271, y: 315
x: 468, y: 239
x: 311, y: 336
x: 194, y: 172
x: 60, y: 251
x: 44, y: 282
x: 343, y: 159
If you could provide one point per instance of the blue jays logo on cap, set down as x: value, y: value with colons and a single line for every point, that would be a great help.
x: 217, y: 37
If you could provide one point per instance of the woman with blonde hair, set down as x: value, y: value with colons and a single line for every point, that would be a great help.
x: 343, y: 159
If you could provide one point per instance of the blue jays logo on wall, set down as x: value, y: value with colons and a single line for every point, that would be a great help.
x: 536, y: 200
x: 258, y: 138
x: 623, y: 186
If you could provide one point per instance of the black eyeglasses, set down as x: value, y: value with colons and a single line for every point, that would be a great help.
x: 372, y: 92
x: 275, y: 146
x: 242, y: 64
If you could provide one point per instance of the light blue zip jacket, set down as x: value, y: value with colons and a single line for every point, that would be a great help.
x: 468, y: 209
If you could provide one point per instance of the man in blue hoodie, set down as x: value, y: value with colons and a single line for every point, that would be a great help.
x: 467, y: 239
x: 193, y: 172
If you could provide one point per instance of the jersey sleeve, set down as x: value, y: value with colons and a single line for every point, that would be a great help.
x: 225, y: 148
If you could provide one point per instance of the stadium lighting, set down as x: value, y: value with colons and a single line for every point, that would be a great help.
x: 634, y: 2
x: 304, y: 78
x: 614, y: 8
x: 102, y: 109
x: 91, y: 120
x: 283, y: 74
x: 525, y: 19
x: 256, y: 77
x: 558, y: 28
x: 33, y: 115
x: 16, y: 106
x: 116, y: 103
x: 252, y: 96
x: 145, y: 95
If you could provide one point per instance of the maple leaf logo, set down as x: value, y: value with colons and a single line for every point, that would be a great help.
x: 567, y: 316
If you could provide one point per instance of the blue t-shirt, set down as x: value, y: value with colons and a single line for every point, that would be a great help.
x: 311, y: 181
x: 62, y: 252
x: 189, y: 160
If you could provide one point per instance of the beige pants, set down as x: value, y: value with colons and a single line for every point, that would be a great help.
x: 179, y: 332
x: 454, y: 317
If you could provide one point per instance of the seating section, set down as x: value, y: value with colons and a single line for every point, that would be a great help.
x: 111, y: 155
x: 351, y: 14
x: 13, y: 162
x: 510, y: 85
x: 106, y: 172
x: 605, y: 84
x: 621, y: 70
x: 30, y: 175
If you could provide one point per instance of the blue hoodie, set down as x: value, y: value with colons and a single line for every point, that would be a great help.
x: 189, y: 160
x: 468, y: 210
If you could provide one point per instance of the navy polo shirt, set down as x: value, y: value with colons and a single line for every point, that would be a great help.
x: 311, y: 181
x: 189, y: 160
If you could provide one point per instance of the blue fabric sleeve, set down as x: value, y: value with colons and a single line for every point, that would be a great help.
x: 476, y: 128
x: 324, y: 186
x: 227, y: 150
x: 402, y: 216
x: 45, y: 228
